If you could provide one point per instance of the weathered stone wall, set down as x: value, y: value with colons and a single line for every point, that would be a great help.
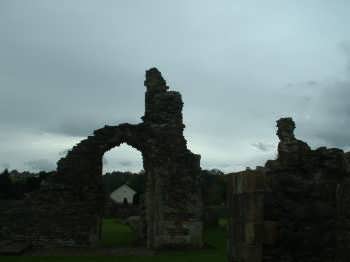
x: 305, y: 205
x: 68, y: 210
x: 50, y: 217
x: 246, y: 192
x: 173, y: 203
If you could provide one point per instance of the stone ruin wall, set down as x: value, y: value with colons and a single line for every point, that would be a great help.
x: 295, y: 208
x: 68, y: 210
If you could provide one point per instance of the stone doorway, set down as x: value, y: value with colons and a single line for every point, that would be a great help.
x: 123, y: 222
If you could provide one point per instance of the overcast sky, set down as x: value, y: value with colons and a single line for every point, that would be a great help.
x: 68, y: 67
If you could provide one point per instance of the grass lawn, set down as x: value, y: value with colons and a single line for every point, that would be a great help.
x: 116, y: 234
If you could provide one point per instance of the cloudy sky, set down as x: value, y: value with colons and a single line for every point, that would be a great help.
x: 71, y: 66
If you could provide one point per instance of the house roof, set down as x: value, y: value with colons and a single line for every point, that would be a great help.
x: 125, y: 185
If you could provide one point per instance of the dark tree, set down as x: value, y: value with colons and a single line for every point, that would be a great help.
x: 6, y: 188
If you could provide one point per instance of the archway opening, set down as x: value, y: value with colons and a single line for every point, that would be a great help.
x: 123, y: 158
x: 123, y: 178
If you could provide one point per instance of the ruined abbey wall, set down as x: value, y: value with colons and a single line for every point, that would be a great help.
x: 68, y: 210
x: 296, y: 208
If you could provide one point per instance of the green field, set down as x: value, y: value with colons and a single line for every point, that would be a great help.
x: 117, y: 234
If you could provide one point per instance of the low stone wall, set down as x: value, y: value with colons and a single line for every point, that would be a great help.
x: 15, y: 219
x: 283, y: 218
x: 51, y: 218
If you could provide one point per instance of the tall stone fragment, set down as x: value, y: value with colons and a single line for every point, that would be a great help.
x: 291, y: 151
x: 172, y: 198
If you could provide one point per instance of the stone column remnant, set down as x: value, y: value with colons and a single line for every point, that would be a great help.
x: 173, y: 202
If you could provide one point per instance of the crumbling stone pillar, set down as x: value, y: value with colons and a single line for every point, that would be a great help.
x: 173, y: 202
x: 291, y: 151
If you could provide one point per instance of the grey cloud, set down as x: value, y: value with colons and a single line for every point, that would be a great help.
x: 63, y: 152
x: 40, y: 165
x: 263, y: 146
x: 223, y: 165
x: 125, y: 163
x: 329, y: 113
x: 83, y: 126
x: 312, y: 83
x: 334, y: 138
x: 260, y: 160
x: 306, y: 84
x: 336, y: 115
x: 71, y: 68
x: 345, y: 47
x: 5, y: 166
x: 77, y: 128
x: 337, y: 99
x: 217, y: 164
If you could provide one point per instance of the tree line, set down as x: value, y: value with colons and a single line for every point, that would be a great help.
x: 15, y: 185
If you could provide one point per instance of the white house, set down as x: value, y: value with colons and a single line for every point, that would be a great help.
x: 123, y: 194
